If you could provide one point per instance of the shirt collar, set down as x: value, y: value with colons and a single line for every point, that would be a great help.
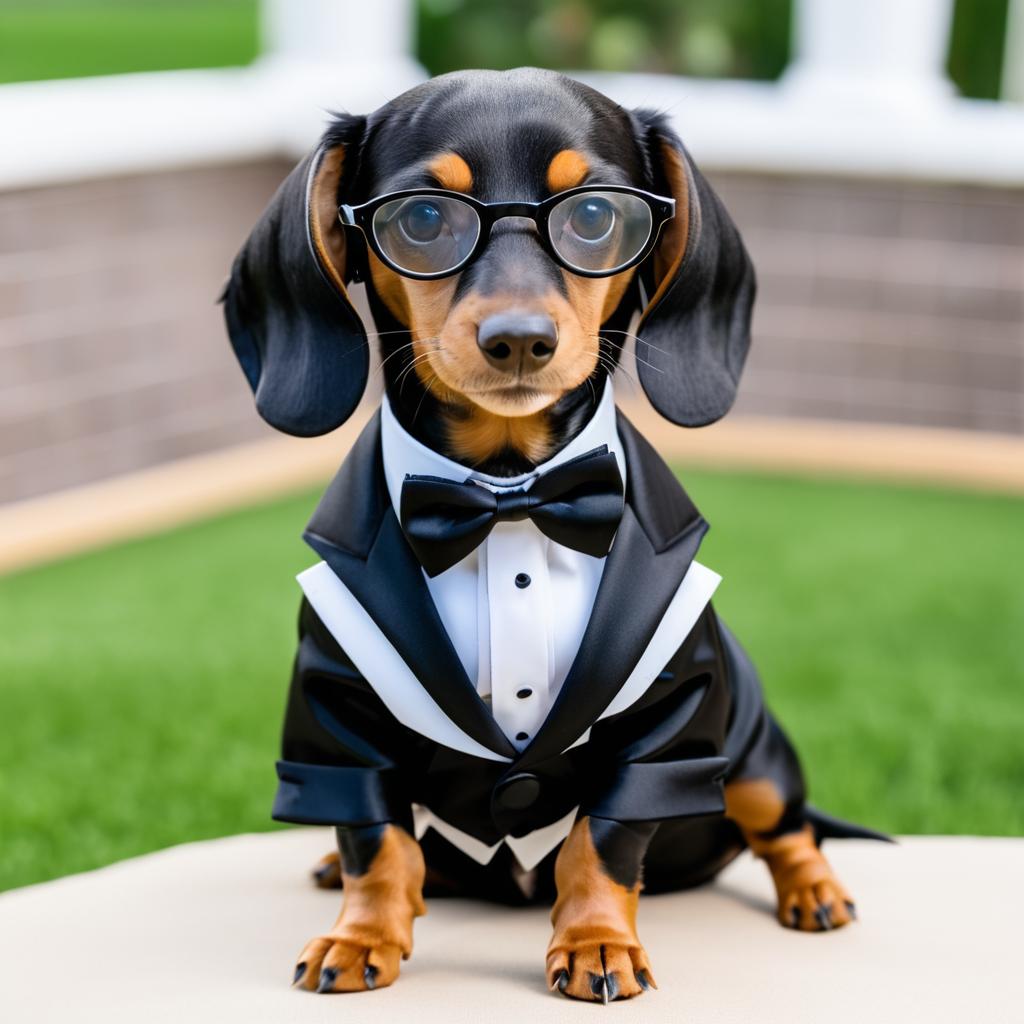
x: 405, y: 456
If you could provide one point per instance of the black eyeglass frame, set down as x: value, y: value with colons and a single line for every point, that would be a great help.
x: 662, y: 210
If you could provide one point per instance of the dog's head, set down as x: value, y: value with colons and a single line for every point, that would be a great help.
x: 497, y: 312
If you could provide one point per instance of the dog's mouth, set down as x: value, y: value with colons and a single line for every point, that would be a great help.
x: 502, y: 394
x: 520, y: 391
x: 519, y: 398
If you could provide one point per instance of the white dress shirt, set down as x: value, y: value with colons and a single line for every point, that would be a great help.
x: 516, y: 607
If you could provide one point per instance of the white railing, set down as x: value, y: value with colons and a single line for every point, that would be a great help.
x: 866, y: 95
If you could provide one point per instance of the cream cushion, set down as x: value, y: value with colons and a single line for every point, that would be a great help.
x: 209, y: 932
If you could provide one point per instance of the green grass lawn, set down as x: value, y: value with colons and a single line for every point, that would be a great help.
x: 141, y: 687
x: 73, y: 38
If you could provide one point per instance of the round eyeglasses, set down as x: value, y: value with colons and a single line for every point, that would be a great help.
x: 593, y: 230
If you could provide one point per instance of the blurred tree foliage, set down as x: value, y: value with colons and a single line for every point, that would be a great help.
x: 976, y: 50
x: 707, y: 38
x: 713, y: 38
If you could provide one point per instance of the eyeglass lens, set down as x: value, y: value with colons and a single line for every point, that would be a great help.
x: 599, y: 231
x: 426, y: 234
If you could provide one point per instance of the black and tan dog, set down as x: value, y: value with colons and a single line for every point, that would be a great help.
x: 509, y: 227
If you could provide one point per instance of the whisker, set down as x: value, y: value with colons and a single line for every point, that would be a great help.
x: 404, y: 375
x: 613, y: 368
x: 412, y: 366
x: 636, y: 338
x: 426, y: 391
x: 608, y: 366
x: 391, y: 355
x: 424, y: 341
x: 381, y: 334
x: 622, y: 348
x: 636, y: 356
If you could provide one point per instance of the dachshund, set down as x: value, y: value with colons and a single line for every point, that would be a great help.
x: 568, y: 734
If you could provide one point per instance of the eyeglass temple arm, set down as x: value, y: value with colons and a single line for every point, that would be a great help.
x: 347, y: 218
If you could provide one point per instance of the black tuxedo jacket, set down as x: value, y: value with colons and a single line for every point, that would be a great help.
x: 349, y: 760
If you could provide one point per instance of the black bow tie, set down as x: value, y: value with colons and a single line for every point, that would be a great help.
x: 577, y: 504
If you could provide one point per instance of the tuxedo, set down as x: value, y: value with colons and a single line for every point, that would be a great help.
x: 659, y: 709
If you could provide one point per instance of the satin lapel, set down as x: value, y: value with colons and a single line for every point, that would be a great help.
x: 636, y: 587
x: 389, y: 584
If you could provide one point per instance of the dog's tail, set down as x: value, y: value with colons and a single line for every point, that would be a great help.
x: 827, y: 827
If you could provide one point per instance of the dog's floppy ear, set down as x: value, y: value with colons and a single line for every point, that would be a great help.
x: 701, y: 286
x: 301, y: 343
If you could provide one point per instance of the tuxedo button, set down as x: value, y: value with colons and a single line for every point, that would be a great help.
x: 518, y: 792
x: 522, y: 580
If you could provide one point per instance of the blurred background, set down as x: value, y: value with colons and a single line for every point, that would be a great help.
x: 866, y: 494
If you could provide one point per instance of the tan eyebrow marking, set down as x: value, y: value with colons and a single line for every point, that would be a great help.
x: 567, y: 169
x: 452, y: 172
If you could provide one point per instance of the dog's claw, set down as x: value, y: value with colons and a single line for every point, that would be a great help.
x: 611, y: 987
x: 823, y: 915
x: 300, y: 970
x: 370, y: 976
x: 794, y: 918
x: 327, y: 978
x: 327, y: 873
x: 600, y: 974
x: 851, y: 909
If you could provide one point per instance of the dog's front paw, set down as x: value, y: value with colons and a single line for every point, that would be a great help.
x: 373, y: 933
x: 340, y: 963
x: 599, y: 972
x: 594, y: 953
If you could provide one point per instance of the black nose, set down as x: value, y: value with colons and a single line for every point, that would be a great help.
x: 517, y: 342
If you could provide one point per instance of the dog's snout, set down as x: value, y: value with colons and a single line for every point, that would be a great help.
x: 517, y: 342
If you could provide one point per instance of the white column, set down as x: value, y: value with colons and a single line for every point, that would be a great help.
x: 321, y: 55
x: 871, y: 51
x: 341, y: 31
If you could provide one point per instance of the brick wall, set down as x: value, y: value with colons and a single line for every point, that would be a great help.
x: 899, y: 303
x: 112, y: 349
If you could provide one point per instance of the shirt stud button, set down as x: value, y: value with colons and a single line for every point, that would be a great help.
x: 524, y: 693
x: 522, y: 580
x: 522, y: 736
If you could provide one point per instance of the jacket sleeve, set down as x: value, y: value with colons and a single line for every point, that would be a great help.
x: 345, y: 759
x: 665, y: 757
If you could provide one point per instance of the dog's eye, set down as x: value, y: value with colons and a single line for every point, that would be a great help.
x: 592, y: 218
x: 421, y: 221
